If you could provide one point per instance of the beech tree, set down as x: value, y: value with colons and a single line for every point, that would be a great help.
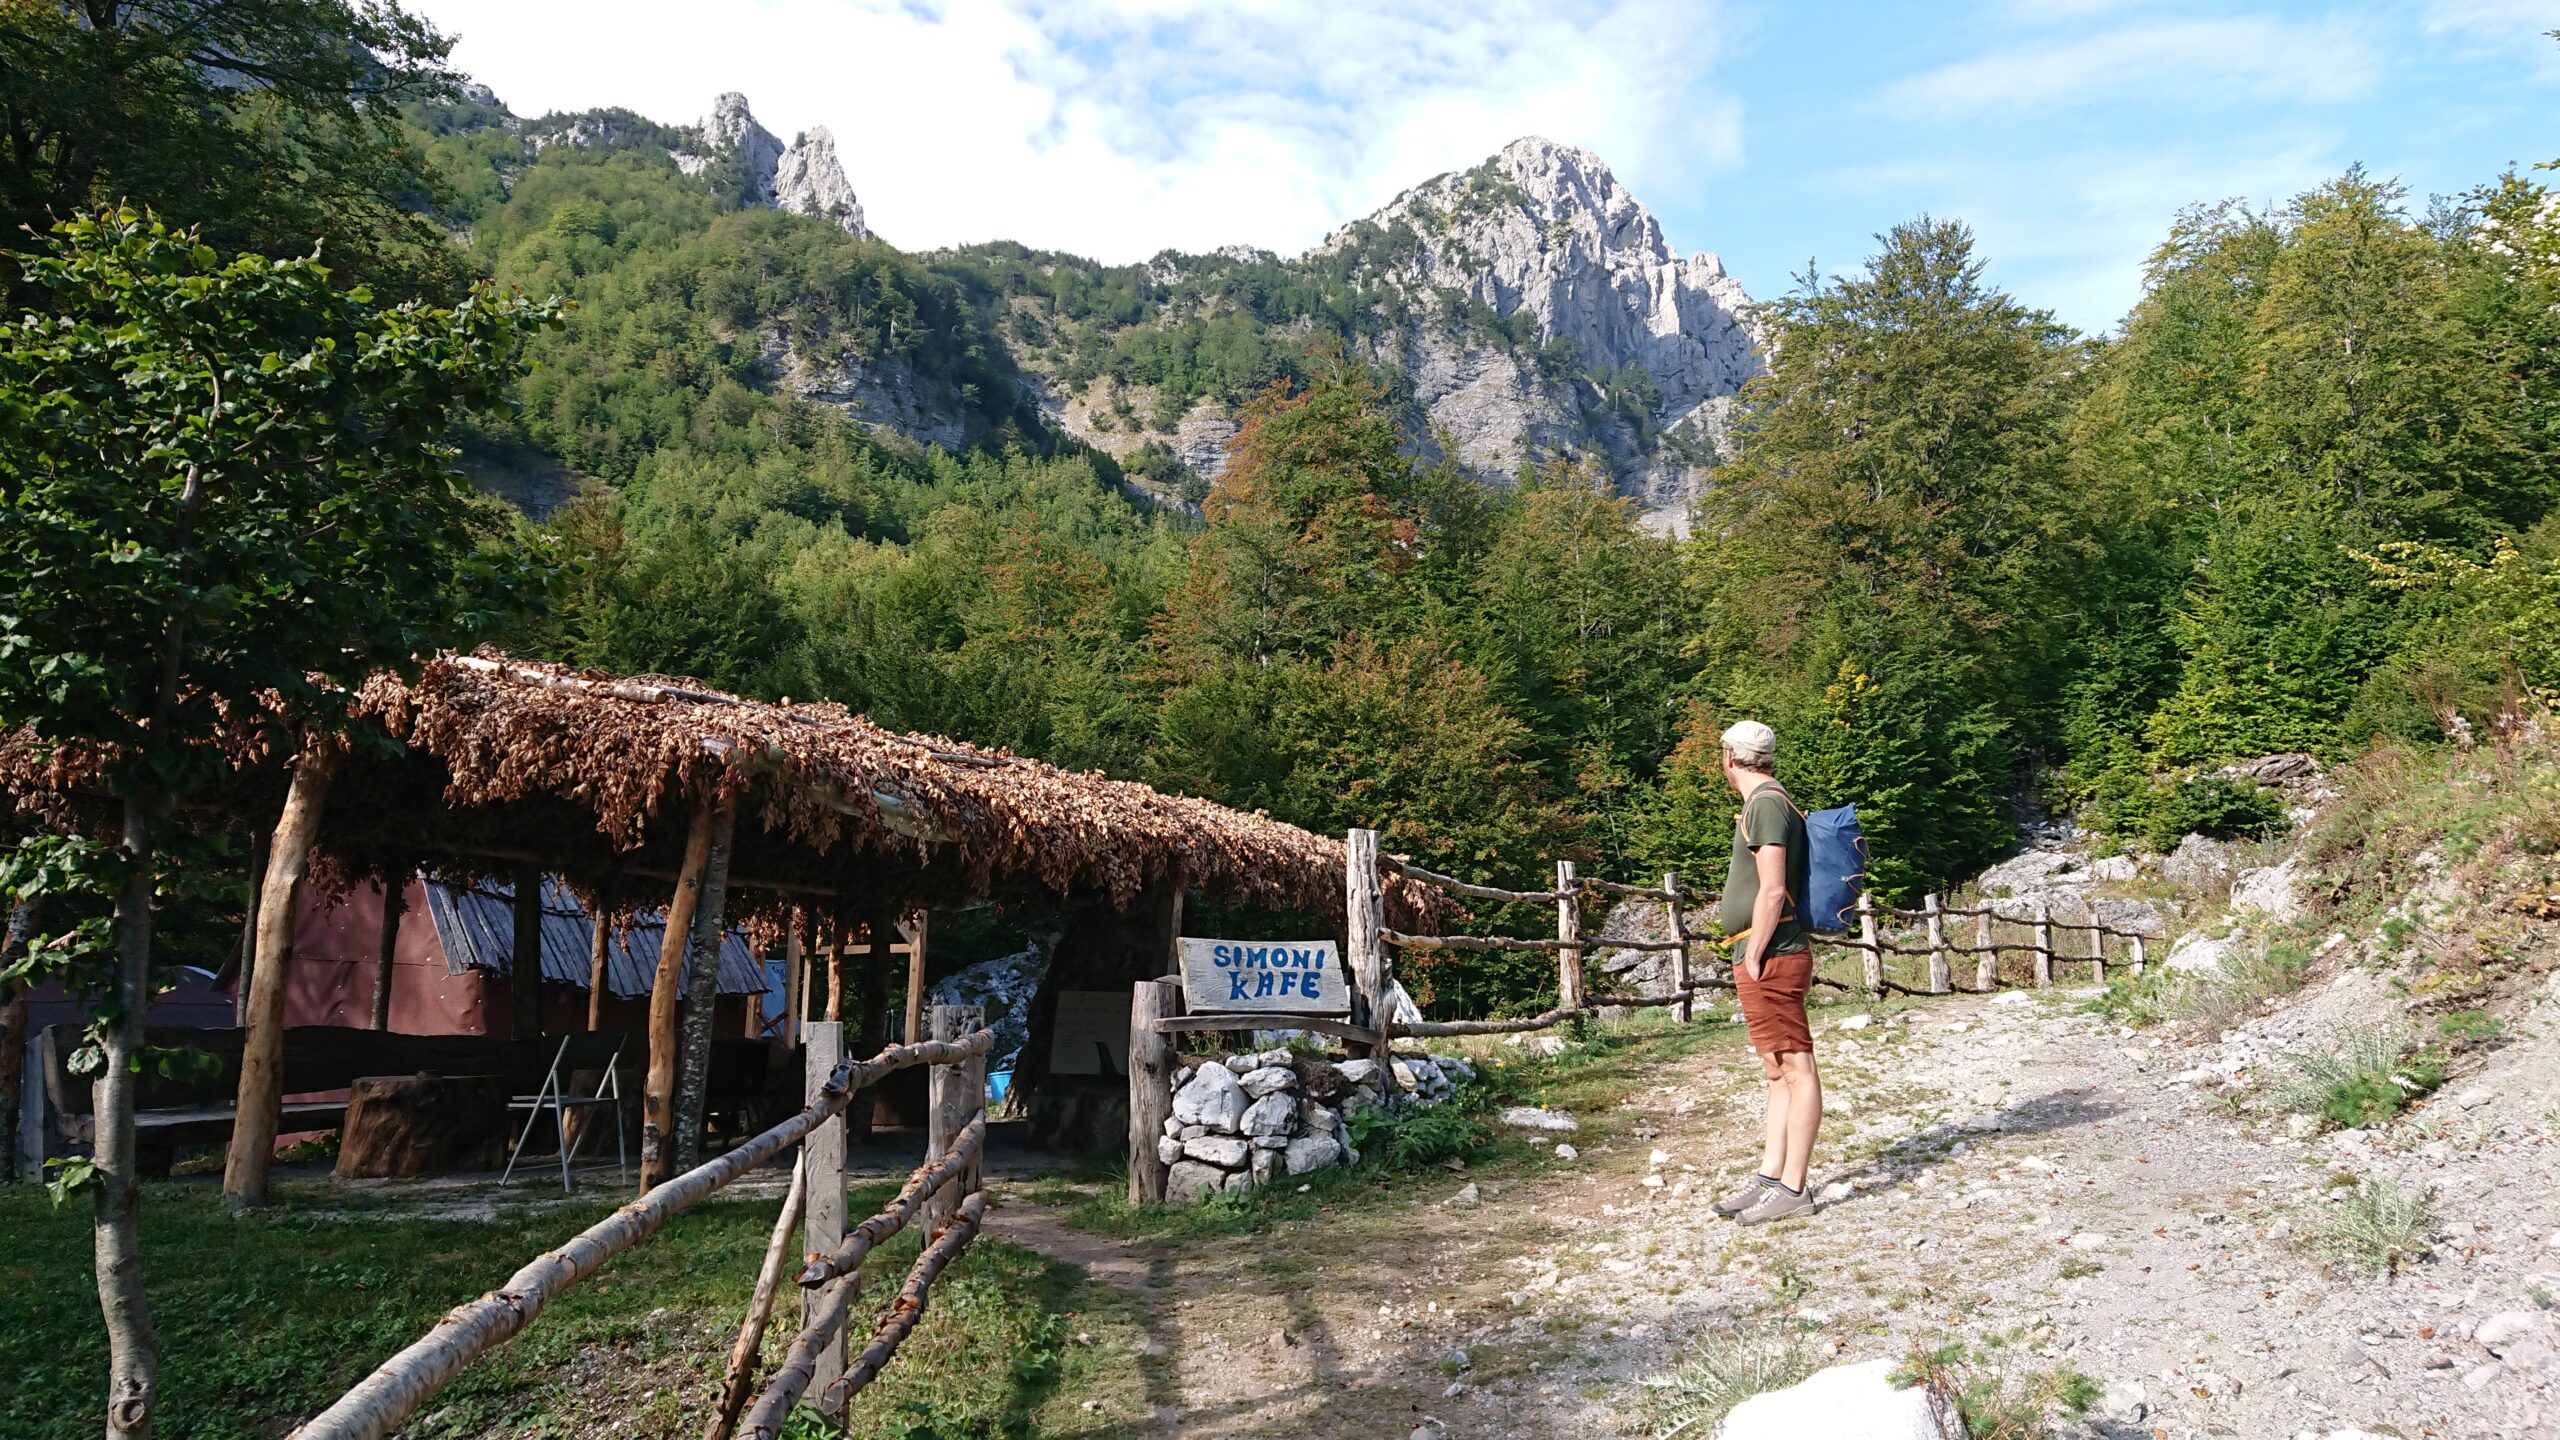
x: 225, y: 492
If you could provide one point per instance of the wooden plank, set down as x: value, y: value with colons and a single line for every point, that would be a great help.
x: 823, y: 1174
x: 1151, y: 1002
x: 253, y: 1136
x: 1313, y: 1024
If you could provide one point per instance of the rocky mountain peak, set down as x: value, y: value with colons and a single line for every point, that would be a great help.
x: 810, y: 180
x: 730, y: 131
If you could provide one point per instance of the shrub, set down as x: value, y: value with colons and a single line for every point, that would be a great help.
x: 2215, y: 806
x: 1723, y: 1368
x: 1995, y: 1405
x: 1414, y: 1136
x: 2362, y: 1075
x: 2469, y: 1027
x: 2379, y: 1226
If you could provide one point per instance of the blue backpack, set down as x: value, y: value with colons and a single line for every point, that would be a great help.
x: 1835, y: 865
x: 1836, y: 868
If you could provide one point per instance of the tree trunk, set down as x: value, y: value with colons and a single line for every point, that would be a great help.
x: 133, y: 1350
x: 253, y: 1129
x: 657, y: 1104
x: 524, y: 957
x: 395, y: 900
x: 702, y: 991
x: 917, y: 929
x: 249, y: 930
x: 835, y: 933
x: 1569, y: 986
x: 1364, y: 911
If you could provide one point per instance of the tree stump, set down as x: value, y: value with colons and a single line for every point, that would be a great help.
x: 423, y: 1125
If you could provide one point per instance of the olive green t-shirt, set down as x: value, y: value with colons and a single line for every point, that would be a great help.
x: 1767, y: 819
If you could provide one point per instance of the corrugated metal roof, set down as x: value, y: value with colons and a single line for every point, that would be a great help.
x: 478, y: 929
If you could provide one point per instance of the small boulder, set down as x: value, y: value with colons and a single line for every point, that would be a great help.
x: 1168, y: 1150
x: 2198, y: 954
x: 1467, y: 1197
x: 1314, y: 1152
x: 1321, y: 1121
x: 1273, y: 1114
x: 2507, y: 1327
x: 1266, y: 1163
x: 1357, y: 1071
x: 1213, y: 1099
x: 2114, y: 868
x: 1191, y: 1182
x: 1567, y: 1152
x: 2197, y: 864
x: 2270, y: 890
x: 1270, y: 1079
x: 1221, y: 1150
x: 2124, y: 1401
x: 1845, y: 1402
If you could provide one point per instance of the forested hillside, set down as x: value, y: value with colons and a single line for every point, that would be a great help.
x: 1959, y: 555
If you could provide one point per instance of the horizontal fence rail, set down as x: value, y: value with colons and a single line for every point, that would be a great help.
x: 382, y: 1401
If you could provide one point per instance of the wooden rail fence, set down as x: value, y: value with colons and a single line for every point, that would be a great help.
x: 946, y: 1189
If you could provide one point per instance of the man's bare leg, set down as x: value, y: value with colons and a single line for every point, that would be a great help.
x: 1773, y: 1147
x: 1801, y: 1084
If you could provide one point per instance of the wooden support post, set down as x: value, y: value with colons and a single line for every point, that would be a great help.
x: 2044, y: 943
x: 524, y: 957
x: 2097, y: 950
x: 599, y: 945
x: 2137, y: 954
x: 795, y: 964
x: 1681, y: 1009
x: 1364, y: 917
x: 870, y: 1028
x: 917, y: 928
x: 13, y: 1039
x: 1986, y: 964
x: 1569, y: 987
x: 1940, y: 981
x: 261, y: 1098
x: 823, y: 1173
x: 1150, y: 1085
x: 658, y: 1094
x: 835, y: 967
x: 957, y: 1092
x: 702, y: 990
x: 1867, y: 941
x: 395, y: 903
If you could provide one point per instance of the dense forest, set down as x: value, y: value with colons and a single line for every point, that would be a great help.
x: 1966, y: 560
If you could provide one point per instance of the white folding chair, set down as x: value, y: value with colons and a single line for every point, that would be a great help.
x: 553, y: 1096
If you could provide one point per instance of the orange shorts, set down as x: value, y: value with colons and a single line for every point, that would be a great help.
x: 1773, y: 1005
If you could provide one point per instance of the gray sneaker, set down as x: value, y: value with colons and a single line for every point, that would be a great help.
x: 1744, y: 1198
x: 1779, y: 1203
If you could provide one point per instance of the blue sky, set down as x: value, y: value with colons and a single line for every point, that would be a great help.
x: 2068, y: 133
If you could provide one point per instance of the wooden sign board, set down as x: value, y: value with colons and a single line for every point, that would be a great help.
x: 1287, y: 977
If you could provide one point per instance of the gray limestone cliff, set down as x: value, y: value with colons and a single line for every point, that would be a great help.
x: 805, y: 177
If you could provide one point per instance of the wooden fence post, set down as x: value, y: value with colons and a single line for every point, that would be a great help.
x: 702, y: 990
x: 1867, y: 941
x: 1569, y: 987
x: 658, y: 1092
x: 2098, y: 949
x: 1986, y: 961
x: 1682, y: 1009
x: 741, y: 1370
x: 958, y: 1093
x: 2044, y: 942
x: 1364, y: 914
x: 822, y: 1171
x: 395, y: 900
x: 1150, y: 1085
x: 1940, y: 981
x: 261, y: 1098
x: 2137, y: 954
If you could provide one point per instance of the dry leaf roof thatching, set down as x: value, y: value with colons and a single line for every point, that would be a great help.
x: 594, y: 772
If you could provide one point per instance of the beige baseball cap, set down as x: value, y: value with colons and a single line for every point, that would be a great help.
x: 1750, y: 742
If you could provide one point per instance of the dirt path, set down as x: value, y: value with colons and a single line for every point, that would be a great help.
x: 2011, y: 1168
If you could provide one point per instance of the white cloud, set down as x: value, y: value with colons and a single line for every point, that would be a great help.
x: 2223, y: 58
x: 1116, y: 130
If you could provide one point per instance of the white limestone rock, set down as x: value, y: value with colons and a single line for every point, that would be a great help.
x: 1190, y: 1182
x: 1274, y: 1114
x: 1266, y: 1079
x: 1845, y: 1402
x: 2270, y: 890
x: 1213, y: 1099
x: 1224, y: 1151
x: 2198, y: 954
x: 1524, y: 1117
x: 1312, y: 1152
x: 2197, y: 864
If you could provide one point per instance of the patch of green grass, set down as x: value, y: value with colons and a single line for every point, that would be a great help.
x: 2469, y: 1027
x: 264, y: 1319
x: 2079, y: 1267
x: 2379, y: 1227
x: 2208, y: 1001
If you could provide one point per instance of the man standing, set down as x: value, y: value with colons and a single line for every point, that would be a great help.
x: 1772, y: 970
